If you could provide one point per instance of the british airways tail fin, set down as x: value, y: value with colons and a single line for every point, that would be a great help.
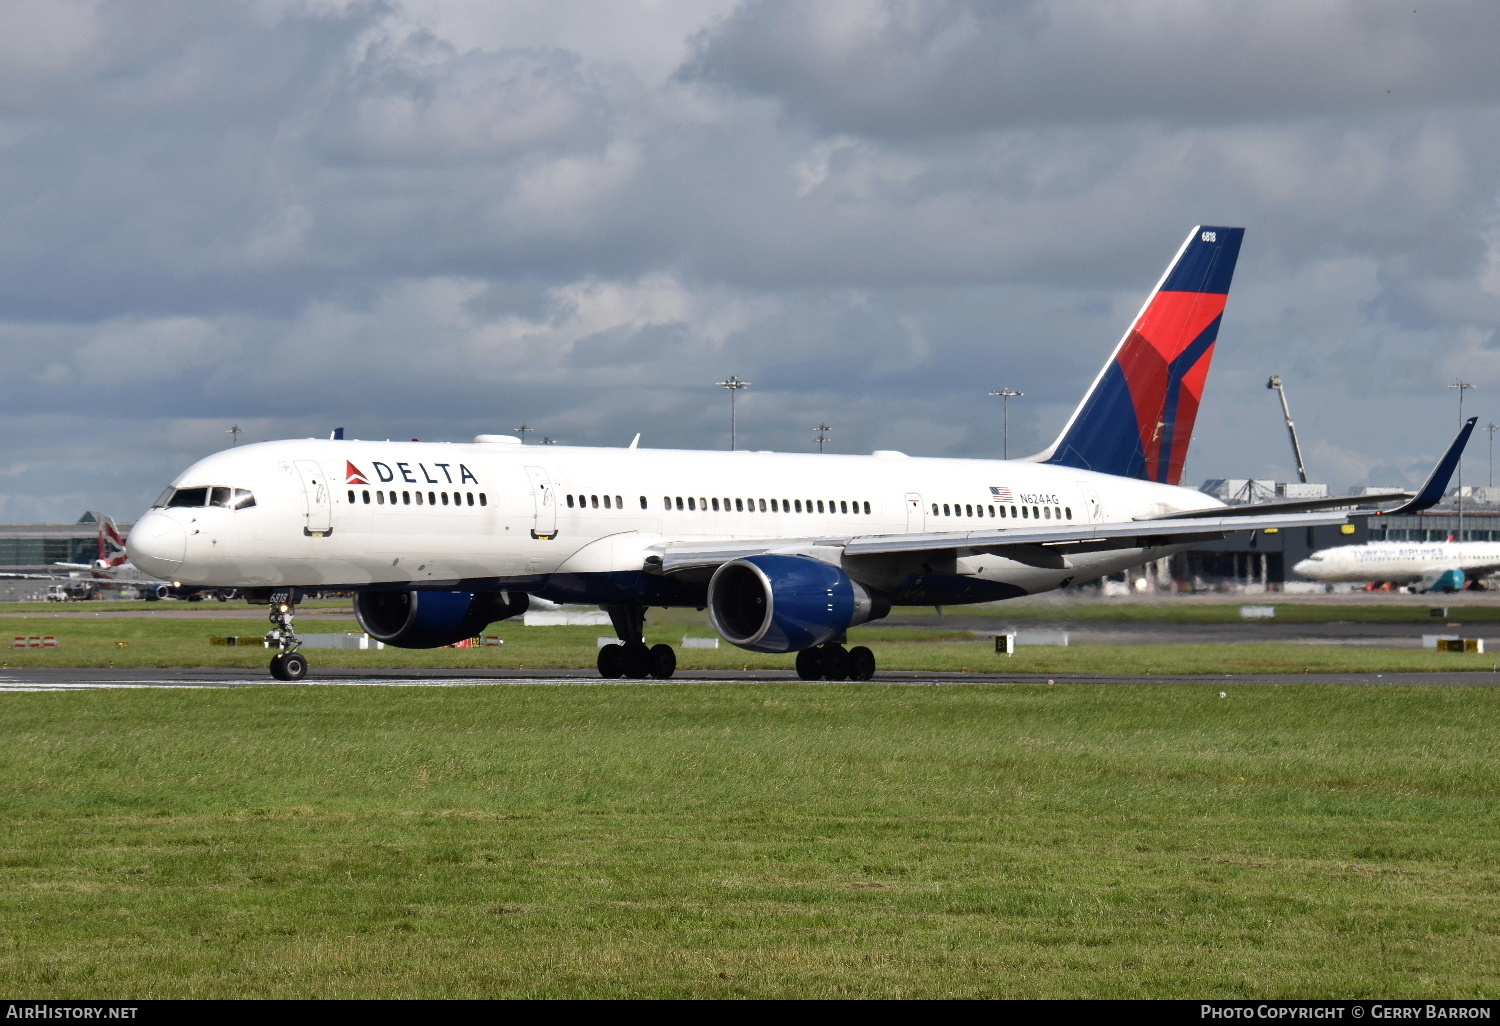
x: 1137, y: 418
x: 111, y: 545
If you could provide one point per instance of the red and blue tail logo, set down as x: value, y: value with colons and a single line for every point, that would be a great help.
x: 1137, y: 419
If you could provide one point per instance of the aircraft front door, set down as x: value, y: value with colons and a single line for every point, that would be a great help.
x: 319, y: 503
x: 916, y: 514
x: 546, y: 503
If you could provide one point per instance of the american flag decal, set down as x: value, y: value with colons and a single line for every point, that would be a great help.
x: 1003, y: 494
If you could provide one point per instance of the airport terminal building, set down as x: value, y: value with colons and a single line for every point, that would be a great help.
x: 38, y: 548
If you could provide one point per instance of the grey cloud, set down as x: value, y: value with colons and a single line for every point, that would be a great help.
x: 918, y: 67
x: 301, y: 216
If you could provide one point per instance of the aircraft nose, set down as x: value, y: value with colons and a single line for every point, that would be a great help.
x: 1302, y: 567
x: 157, y: 544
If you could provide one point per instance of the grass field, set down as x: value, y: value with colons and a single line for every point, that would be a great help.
x: 152, y: 642
x: 736, y: 840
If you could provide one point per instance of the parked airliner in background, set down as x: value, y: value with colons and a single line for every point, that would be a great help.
x: 1425, y: 566
x: 110, y: 569
x: 786, y: 551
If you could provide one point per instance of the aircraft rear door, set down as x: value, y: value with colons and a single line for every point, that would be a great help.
x: 1091, y: 508
x: 546, y: 503
x: 916, y: 514
x: 319, y: 502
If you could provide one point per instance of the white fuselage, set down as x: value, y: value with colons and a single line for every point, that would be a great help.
x: 1399, y: 562
x: 566, y: 522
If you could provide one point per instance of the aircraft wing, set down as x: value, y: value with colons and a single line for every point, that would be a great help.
x: 1022, y: 541
x: 1295, y: 506
x: 1430, y: 494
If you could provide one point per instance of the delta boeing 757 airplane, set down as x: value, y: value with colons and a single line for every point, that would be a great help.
x: 786, y: 551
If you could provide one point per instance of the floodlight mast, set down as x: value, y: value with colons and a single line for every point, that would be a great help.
x: 1462, y: 386
x: 822, y: 434
x: 734, y: 385
x: 1286, y: 412
x: 1006, y: 395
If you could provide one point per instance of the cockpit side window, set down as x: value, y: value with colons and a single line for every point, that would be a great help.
x: 189, y: 497
x: 243, y: 499
x: 163, y: 499
x: 220, y: 497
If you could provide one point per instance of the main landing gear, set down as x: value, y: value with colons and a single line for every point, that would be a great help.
x: 288, y: 663
x: 833, y: 662
x: 633, y: 659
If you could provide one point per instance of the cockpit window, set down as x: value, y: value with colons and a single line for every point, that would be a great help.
x: 189, y: 497
x: 217, y: 495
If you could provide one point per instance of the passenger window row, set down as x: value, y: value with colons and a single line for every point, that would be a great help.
x: 592, y: 502
x: 407, y: 498
x: 727, y: 505
x: 225, y: 498
x: 968, y: 509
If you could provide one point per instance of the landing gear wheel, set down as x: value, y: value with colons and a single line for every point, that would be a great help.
x: 612, y: 661
x: 835, y: 662
x: 809, y: 666
x: 289, y: 666
x: 636, y: 662
x: 663, y: 662
x: 861, y: 663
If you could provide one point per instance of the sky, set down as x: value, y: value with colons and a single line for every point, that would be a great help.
x: 442, y: 218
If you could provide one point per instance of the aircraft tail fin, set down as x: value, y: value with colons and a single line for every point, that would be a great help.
x: 111, y: 544
x: 1137, y: 418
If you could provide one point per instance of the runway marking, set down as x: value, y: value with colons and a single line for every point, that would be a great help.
x: 12, y: 685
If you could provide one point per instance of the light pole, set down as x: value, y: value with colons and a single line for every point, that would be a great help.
x: 733, y: 384
x: 1492, y: 429
x: 1005, y: 395
x: 1462, y: 386
x: 522, y: 432
x: 235, y: 431
x: 823, y: 430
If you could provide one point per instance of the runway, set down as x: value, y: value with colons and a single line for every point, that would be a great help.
x: 1337, y: 634
x: 60, y: 679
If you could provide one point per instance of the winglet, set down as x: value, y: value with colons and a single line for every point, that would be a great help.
x: 1437, y: 482
x: 636, y: 441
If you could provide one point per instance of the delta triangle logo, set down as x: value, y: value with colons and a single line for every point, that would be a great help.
x: 353, y: 475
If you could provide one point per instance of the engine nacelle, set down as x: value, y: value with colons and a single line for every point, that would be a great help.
x: 776, y: 603
x: 432, y: 619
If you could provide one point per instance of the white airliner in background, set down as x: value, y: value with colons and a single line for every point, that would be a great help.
x: 1426, y: 566
x: 786, y: 551
x: 110, y: 569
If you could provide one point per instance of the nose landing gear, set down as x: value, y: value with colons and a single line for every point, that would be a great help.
x: 287, y: 664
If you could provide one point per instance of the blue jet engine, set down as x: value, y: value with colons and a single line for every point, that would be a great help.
x: 774, y: 603
x: 432, y: 619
